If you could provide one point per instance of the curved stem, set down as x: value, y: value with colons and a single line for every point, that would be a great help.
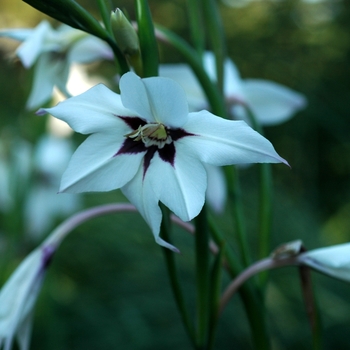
x: 262, y: 265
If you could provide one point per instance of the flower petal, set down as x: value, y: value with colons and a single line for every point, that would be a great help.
x: 90, y: 49
x: 48, y: 72
x: 95, y: 110
x: 29, y: 51
x: 95, y: 167
x: 333, y: 261
x: 181, y: 187
x: 221, y: 142
x: 270, y: 102
x: 183, y: 75
x: 140, y: 193
x: 155, y: 99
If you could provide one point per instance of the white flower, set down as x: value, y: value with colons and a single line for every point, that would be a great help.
x: 53, y: 51
x: 270, y: 102
x: 333, y: 261
x: 146, y: 143
x: 18, y: 297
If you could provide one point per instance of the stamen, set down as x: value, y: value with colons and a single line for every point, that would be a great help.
x: 151, y: 134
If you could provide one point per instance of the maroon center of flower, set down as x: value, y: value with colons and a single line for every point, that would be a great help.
x: 155, y: 141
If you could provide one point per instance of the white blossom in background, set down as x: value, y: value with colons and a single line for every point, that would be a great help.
x: 271, y: 103
x: 52, y: 51
x: 145, y: 142
x: 333, y: 261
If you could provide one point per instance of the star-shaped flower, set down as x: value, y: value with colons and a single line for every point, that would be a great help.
x: 53, y: 51
x: 145, y: 142
x: 270, y: 102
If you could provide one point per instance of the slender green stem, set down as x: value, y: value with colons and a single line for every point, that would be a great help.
x: 194, y: 11
x: 174, y: 278
x: 105, y: 11
x: 148, y: 42
x: 191, y: 57
x: 202, y: 277
x: 265, y: 202
x: 252, y: 299
x: 237, y: 210
x: 215, y: 290
x: 311, y: 307
x: 217, y: 38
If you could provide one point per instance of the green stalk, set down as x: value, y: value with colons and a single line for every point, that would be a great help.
x: 105, y: 11
x: 148, y: 42
x: 169, y: 256
x: 215, y: 294
x: 194, y: 11
x: 251, y: 298
x: 194, y: 61
x: 237, y: 209
x: 265, y: 203
x: 202, y: 278
x: 217, y: 38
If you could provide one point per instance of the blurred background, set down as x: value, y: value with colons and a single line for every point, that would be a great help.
x: 108, y: 287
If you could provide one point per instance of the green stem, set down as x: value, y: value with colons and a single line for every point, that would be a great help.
x: 252, y: 299
x: 194, y: 11
x: 217, y: 38
x: 173, y: 275
x: 202, y: 277
x: 194, y: 61
x: 237, y: 209
x: 105, y: 12
x: 265, y: 202
x: 148, y: 42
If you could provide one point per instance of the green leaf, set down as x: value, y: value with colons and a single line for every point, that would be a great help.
x: 71, y: 13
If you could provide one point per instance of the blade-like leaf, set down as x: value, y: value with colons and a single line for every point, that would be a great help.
x: 71, y: 13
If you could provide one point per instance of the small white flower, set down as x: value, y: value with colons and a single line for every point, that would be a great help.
x: 270, y: 102
x: 53, y: 51
x: 146, y: 143
x: 333, y: 261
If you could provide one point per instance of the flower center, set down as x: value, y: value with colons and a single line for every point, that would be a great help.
x: 151, y: 134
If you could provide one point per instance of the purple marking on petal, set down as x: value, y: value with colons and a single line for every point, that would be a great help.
x: 177, y: 134
x: 167, y: 153
x: 133, y: 122
x: 130, y: 146
x: 48, y: 252
x: 148, y: 157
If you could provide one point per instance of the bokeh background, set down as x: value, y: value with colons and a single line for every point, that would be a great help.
x: 107, y: 287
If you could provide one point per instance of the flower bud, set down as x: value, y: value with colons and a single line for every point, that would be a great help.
x: 124, y: 33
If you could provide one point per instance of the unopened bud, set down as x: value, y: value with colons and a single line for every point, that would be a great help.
x: 124, y: 33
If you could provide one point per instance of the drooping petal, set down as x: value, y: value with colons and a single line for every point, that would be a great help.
x: 20, y: 34
x: 95, y: 110
x: 183, y: 75
x: 222, y: 142
x: 155, y: 99
x: 90, y: 49
x: 270, y: 102
x: 29, y: 51
x: 96, y: 167
x: 140, y: 193
x: 48, y: 73
x: 181, y: 187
